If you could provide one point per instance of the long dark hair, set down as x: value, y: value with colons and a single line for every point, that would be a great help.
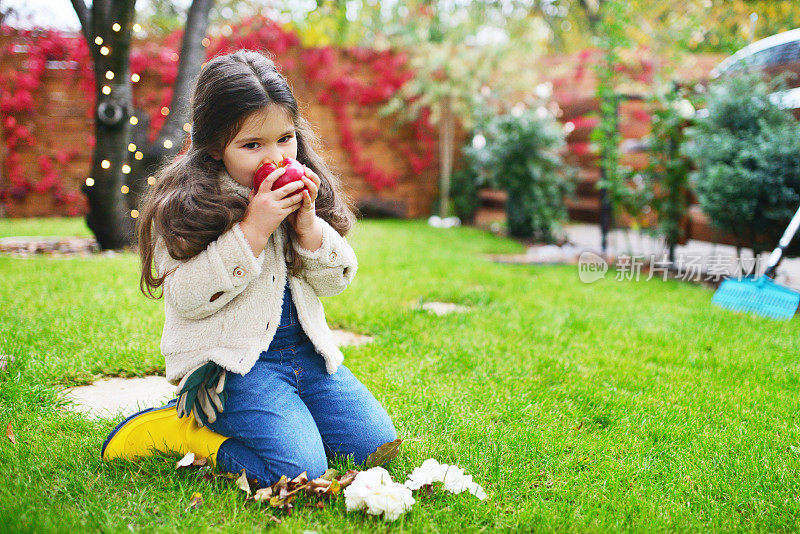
x: 187, y: 206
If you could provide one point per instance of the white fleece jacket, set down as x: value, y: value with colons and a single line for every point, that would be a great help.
x: 225, y: 304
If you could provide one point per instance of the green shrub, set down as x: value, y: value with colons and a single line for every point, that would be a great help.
x: 747, y: 154
x: 464, y: 186
x: 520, y: 157
x: 668, y: 168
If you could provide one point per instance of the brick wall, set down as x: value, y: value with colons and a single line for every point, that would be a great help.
x: 62, y: 121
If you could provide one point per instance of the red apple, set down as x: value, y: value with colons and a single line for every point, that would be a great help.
x: 294, y: 171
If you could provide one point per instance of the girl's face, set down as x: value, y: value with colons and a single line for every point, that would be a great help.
x: 266, y: 135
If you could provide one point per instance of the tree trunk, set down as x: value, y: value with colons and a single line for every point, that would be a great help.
x: 446, y: 128
x: 108, y: 217
x: 110, y: 209
x: 192, y: 56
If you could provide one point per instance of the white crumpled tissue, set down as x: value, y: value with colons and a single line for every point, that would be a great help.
x: 375, y: 492
x: 452, y: 476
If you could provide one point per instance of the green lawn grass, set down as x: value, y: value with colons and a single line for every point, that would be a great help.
x: 613, y: 406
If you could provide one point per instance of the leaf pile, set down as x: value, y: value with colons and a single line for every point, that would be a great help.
x: 281, y: 494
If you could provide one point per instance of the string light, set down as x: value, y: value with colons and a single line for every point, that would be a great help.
x: 174, y: 56
x: 134, y: 120
x: 137, y: 28
x: 165, y: 111
x: 98, y: 40
x: 106, y: 90
x: 187, y: 127
x: 138, y: 155
x: 124, y: 189
x: 134, y: 78
x: 205, y: 42
x: 109, y: 75
x: 104, y: 50
x: 105, y: 164
x: 167, y: 144
x: 131, y: 148
x: 116, y: 27
x: 134, y: 213
x: 151, y: 180
x: 89, y: 182
x: 125, y: 170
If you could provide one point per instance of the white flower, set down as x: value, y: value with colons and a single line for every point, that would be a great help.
x: 684, y: 108
x: 452, y: 476
x: 544, y: 90
x: 375, y: 492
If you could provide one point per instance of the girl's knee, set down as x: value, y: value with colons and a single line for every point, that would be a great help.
x: 314, y: 466
x: 370, y: 441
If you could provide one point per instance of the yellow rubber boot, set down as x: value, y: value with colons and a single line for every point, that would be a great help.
x: 161, y: 430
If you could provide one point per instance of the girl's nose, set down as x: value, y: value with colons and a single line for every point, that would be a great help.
x: 274, y: 155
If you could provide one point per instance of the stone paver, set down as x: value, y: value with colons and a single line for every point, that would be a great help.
x: 442, y: 308
x: 109, y: 397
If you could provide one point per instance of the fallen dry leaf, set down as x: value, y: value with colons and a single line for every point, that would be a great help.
x: 243, y: 484
x: 10, y: 434
x: 279, y: 487
x: 200, y: 462
x: 282, y: 504
x: 334, y: 488
x: 330, y: 474
x: 185, y: 461
x: 347, y: 478
x: 273, y: 518
x: 196, y: 502
x: 384, y: 453
x: 318, y: 486
x: 263, y: 494
x: 5, y: 361
x: 302, y: 478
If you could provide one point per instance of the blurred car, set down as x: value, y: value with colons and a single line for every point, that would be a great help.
x: 774, y: 55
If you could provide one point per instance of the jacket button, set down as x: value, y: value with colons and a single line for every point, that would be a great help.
x: 238, y: 272
x: 332, y: 257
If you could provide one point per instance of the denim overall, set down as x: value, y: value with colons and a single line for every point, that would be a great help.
x: 288, y: 415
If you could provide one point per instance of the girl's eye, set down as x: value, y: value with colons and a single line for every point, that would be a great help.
x: 248, y: 144
x: 287, y: 137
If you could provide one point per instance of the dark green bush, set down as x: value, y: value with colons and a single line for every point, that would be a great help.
x: 464, y: 185
x: 747, y: 154
x: 668, y: 169
x: 520, y: 157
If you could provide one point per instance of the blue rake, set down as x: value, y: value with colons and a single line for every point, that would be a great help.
x: 762, y: 295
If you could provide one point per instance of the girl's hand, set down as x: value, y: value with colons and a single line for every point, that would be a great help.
x: 303, y: 219
x: 267, y: 209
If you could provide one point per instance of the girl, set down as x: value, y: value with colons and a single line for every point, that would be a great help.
x: 241, y: 274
